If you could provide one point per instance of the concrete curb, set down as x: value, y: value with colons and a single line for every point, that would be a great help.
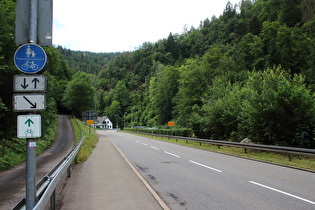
x: 147, y: 185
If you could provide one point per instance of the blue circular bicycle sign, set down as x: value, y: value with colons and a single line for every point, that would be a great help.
x: 30, y: 58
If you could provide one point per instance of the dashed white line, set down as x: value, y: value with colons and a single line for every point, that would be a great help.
x: 154, y: 148
x: 169, y: 153
x: 138, y: 142
x: 144, y: 144
x: 285, y: 193
x: 200, y: 164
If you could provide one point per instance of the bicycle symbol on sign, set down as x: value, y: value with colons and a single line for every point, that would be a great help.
x: 30, y: 64
x: 29, y: 131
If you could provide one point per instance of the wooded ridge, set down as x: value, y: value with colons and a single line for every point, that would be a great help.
x: 246, y: 74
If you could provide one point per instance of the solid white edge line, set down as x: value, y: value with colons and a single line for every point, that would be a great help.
x: 148, y: 186
x: 154, y: 148
x: 200, y: 164
x: 285, y: 193
x: 169, y: 153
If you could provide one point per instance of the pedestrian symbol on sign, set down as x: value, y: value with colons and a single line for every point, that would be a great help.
x: 29, y: 52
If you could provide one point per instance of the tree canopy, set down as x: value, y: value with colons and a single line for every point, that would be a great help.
x: 248, y: 73
x: 224, y: 78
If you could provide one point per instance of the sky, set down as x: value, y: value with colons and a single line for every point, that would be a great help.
x: 124, y: 25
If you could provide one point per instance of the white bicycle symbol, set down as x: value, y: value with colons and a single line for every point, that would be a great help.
x: 29, y: 131
x: 30, y: 64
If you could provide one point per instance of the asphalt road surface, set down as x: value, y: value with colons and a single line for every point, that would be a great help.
x: 188, y: 178
x: 12, y: 182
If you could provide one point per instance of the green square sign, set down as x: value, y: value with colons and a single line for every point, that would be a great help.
x: 29, y: 126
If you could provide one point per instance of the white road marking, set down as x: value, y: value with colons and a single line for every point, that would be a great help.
x: 200, y: 164
x: 285, y: 193
x: 154, y: 148
x: 138, y: 141
x: 144, y: 144
x: 169, y: 153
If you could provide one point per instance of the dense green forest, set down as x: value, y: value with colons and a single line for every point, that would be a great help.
x: 86, y: 61
x: 248, y: 73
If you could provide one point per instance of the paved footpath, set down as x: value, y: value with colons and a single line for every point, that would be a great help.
x: 106, y: 181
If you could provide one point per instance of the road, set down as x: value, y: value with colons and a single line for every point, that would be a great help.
x: 12, y: 182
x: 188, y: 178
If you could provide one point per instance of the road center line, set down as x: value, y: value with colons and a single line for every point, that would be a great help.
x: 144, y: 144
x: 200, y: 164
x: 154, y: 148
x: 169, y: 153
x: 285, y: 193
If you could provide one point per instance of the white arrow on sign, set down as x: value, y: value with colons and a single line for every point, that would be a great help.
x: 29, y: 126
x: 30, y: 83
x: 29, y: 102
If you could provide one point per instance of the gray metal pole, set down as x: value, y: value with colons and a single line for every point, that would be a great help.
x: 30, y: 173
x: 33, y: 21
x: 31, y: 143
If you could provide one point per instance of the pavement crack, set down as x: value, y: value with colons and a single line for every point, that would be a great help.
x: 141, y: 168
x: 177, y: 199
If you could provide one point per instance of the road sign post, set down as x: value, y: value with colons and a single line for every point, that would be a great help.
x: 33, y: 25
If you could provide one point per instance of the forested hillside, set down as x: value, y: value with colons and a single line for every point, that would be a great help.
x: 248, y: 73
x: 86, y: 61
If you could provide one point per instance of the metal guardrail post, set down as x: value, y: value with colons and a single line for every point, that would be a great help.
x: 53, y: 201
x: 69, y: 172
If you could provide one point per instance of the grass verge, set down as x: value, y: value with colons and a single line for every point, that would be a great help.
x: 297, y: 161
x: 89, y: 143
x: 13, y: 151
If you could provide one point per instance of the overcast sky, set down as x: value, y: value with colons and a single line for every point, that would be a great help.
x: 124, y: 25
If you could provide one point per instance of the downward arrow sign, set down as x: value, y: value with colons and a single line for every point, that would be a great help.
x: 24, y: 86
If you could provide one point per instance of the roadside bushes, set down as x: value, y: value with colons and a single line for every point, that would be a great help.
x: 271, y: 107
x: 173, y: 132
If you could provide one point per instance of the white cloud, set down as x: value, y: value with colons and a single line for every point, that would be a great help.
x: 122, y: 25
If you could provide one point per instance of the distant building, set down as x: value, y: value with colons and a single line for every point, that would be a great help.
x: 104, y: 123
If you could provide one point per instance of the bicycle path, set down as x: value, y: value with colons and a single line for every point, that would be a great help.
x: 106, y: 181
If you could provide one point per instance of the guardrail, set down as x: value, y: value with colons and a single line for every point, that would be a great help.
x: 269, y: 148
x: 45, y: 189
